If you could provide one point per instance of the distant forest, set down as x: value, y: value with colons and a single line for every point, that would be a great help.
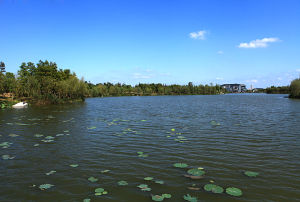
x: 44, y: 82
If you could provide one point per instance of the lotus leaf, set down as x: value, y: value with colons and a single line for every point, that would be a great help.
x: 92, y: 179
x: 35, y: 145
x: 5, y: 145
x: 148, y: 178
x: 190, y: 198
x: 13, y: 135
x: 180, y: 165
x: 86, y: 200
x: 47, y: 140
x: 99, y: 190
x: 157, y: 198
x: 142, y: 186
x: 59, y: 135
x: 7, y: 157
x: 105, y: 171
x: 49, y: 137
x: 159, y: 182
x: 38, y: 135
x: 45, y: 186
x: 93, y: 127
x: 173, y: 129
x: 51, y: 172
x: 140, y: 152
x: 146, y: 189
x: 74, y: 165
x: 234, y: 191
x: 66, y: 131
x: 167, y: 195
x: 196, y: 172
x: 213, y: 188
x: 122, y: 183
x: 251, y: 173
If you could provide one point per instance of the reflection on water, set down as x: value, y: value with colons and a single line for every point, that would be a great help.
x: 63, y: 153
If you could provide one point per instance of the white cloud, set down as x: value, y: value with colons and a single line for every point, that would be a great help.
x: 258, y: 43
x: 297, y: 70
x: 220, y: 52
x: 198, y: 35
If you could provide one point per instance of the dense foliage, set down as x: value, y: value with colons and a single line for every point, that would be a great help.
x: 295, y: 89
x: 278, y: 90
x: 109, y: 89
x: 43, y: 82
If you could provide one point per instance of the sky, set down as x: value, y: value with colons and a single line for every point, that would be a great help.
x: 254, y: 42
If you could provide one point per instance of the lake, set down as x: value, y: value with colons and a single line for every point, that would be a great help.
x: 130, y: 138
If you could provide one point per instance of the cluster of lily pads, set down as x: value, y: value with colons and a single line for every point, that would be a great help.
x: 141, y: 154
x: 161, y: 197
x: 197, y: 173
x: 5, y: 145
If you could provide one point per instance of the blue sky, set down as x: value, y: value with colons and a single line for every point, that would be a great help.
x: 130, y: 41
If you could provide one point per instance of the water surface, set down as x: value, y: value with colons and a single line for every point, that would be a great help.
x: 256, y: 132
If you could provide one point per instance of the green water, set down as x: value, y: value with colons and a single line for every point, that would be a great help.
x: 223, y: 134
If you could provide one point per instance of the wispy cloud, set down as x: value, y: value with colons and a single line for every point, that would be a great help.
x: 219, y: 78
x: 220, y: 52
x: 198, y: 35
x: 258, y: 43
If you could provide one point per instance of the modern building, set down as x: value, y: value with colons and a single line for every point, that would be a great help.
x: 235, y: 88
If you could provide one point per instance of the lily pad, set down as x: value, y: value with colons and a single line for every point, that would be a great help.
x: 91, y: 128
x: 13, y: 135
x: 173, y: 129
x: 36, y: 145
x: 86, y: 200
x: 5, y: 145
x: 190, y: 198
x: 7, y: 157
x: 234, y: 191
x: 92, y: 179
x: 213, y: 188
x: 251, y: 173
x: 167, y: 195
x: 38, y: 135
x: 196, y: 172
x: 159, y: 182
x: 148, y: 178
x: 122, y: 183
x: 100, y: 191
x: 45, y: 186
x: 157, y: 198
x: 51, y: 172
x: 141, y: 186
x: 180, y: 165
x: 74, y: 165
x: 47, y: 140
x: 105, y: 171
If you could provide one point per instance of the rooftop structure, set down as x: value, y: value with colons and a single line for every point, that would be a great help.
x: 235, y: 88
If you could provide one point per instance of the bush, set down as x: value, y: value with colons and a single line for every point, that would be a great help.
x: 295, y: 89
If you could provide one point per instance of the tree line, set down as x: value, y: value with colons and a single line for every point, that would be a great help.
x: 44, y: 82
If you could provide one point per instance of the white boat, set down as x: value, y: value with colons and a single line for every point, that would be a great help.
x: 20, y: 105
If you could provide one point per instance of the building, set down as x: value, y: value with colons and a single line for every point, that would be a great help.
x: 235, y: 88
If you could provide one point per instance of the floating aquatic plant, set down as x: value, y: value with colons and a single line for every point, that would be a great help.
x: 172, y: 129
x: 13, y: 135
x: 234, y: 191
x: 143, y: 120
x: 92, y: 179
x: 86, y: 200
x: 5, y: 145
x: 36, y: 145
x: 49, y: 137
x: 51, y: 172
x: 66, y: 131
x: 180, y: 165
x: 45, y: 186
x: 38, y: 135
x: 157, y: 198
x: 251, y: 173
x: 74, y: 165
x: 59, y: 135
x: 196, y: 172
x: 159, y: 182
x: 100, y: 191
x: 105, y: 171
x: 148, y: 178
x: 144, y: 187
x: 213, y: 188
x: 93, y: 127
x: 190, y: 198
x: 167, y: 195
x: 141, y: 154
x: 214, y: 123
x: 47, y: 140
x: 7, y: 157
x: 122, y: 183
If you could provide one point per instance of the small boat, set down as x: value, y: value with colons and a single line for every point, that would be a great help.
x: 20, y: 105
